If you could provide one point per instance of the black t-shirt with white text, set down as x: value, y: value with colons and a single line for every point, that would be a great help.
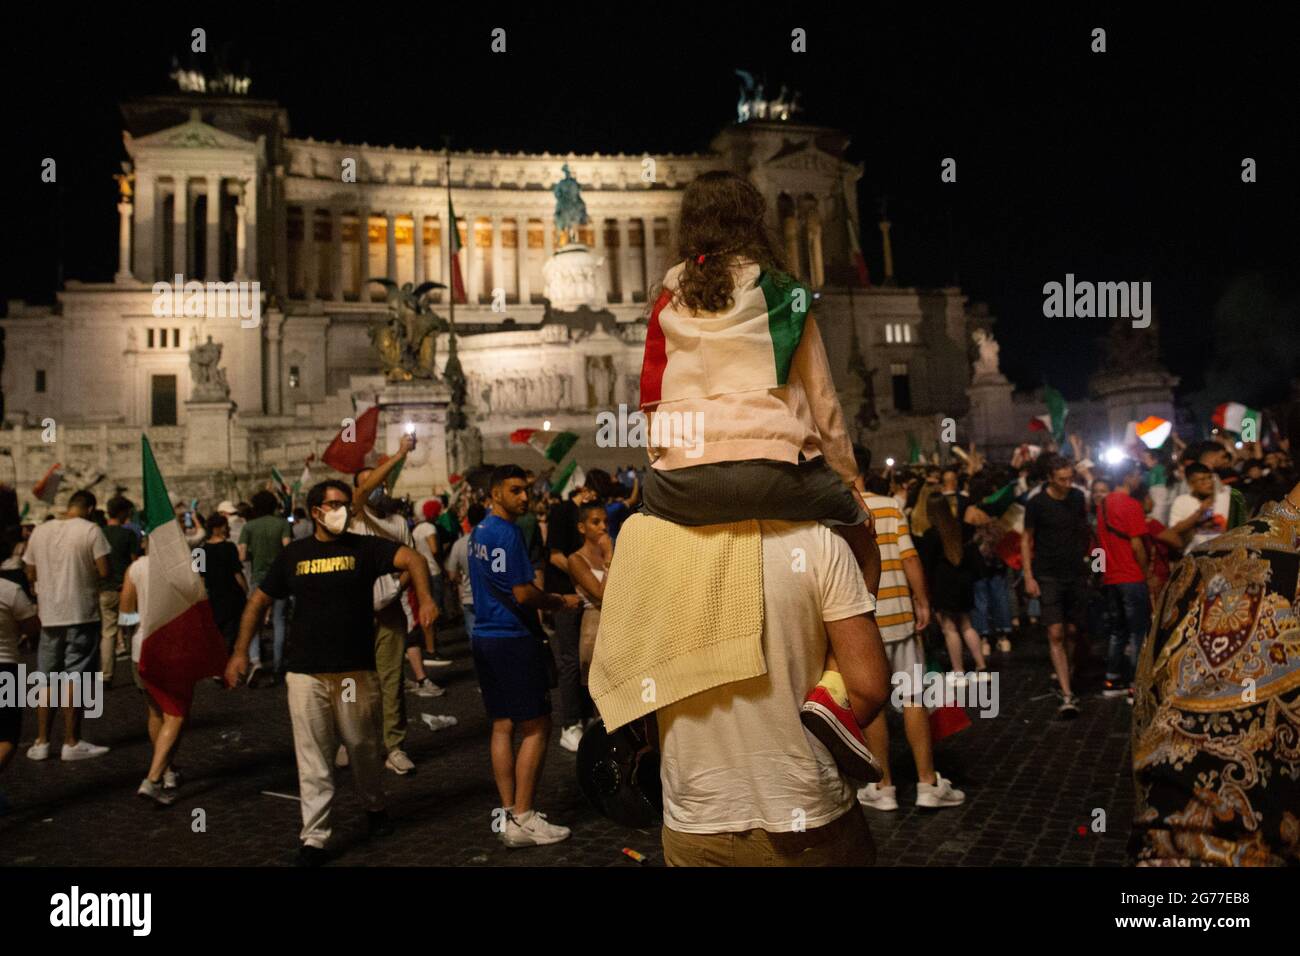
x: 1060, y: 534
x: 332, y: 586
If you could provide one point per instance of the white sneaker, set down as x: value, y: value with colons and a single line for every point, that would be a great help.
x: 341, y: 758
x: 427, y: 688
x: 84, y: 750
x: 39, y: 751
x: 158, y: 793
x: 570, y: 737
x: 438, y: 721
x: 171, y: 779
x: 533, y: 830
x: 399, y: 763
x: 941, y: 793
x: 878, y: 798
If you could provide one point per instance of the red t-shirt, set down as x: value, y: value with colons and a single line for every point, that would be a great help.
x: 1120, y: 512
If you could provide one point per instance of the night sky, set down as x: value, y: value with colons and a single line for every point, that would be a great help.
x: 1119, y: 166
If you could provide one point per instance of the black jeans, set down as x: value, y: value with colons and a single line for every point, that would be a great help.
x: 565, y: 644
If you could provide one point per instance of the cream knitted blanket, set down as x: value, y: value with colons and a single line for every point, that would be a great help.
x: 682, y: 613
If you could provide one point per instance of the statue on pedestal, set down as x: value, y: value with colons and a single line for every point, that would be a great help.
x: 986, y: 361
x: 570, y: 210
x: 407, y: 341
x: 208, y: 380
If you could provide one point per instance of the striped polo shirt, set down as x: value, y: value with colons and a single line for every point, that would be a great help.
x: 894, y: 600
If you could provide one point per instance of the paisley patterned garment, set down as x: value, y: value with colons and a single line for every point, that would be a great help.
x: 1216, y: 722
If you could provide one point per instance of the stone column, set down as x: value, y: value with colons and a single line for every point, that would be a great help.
x: 281, y: 237
x: 624, y: 280
x: 473, y: 260
x: 521, y: 258
x: 274, y: 373
x: 363, y: 254
x: 311, y: 281
x: 146, y: 227
x: 653, y: 271
x: 192, y: 264
x: 417, y: 239
x: 241, y: 240
x: 212, y: 259
x: 674, y: 231
x: 816, y: 265
x: 548, y: 237
x: 250, y: 227
x: 391, y: 219
x: 497, y: 268
x: 336, y: 253
x: 180, y: 206
x: 602, y: 252
x: 123, y: 243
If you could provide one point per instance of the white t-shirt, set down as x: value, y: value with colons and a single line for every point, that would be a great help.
x: 458, y: 564
x: 737, y: 757
x: 64, y: 552
x: 14, y: 607
x: 425, y: 537
x: 1186, y: 505
x: 386, y: 589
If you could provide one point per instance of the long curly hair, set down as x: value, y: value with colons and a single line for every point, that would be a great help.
x: 721, y: 220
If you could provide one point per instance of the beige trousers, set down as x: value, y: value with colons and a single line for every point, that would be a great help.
x: 108, y: 601
x: 325, y: 708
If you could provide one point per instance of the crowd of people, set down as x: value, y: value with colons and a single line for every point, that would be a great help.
x: 757, y: 601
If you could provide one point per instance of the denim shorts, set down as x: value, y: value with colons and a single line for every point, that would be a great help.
x: 69, y: 648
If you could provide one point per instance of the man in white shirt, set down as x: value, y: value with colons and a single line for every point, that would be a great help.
x: 17, y: 616
x: 1204, y: 497
x: 744, y: 783
x: 65, y: 559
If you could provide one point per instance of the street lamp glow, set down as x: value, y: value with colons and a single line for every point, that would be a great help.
x: 1113, y: 455
x: 889, y: 462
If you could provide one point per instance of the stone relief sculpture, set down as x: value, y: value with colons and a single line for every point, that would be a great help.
x: 600, y: 381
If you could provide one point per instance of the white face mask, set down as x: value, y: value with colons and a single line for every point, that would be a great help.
x: 336, y: 521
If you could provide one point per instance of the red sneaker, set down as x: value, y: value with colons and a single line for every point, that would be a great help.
x: 838, y: 730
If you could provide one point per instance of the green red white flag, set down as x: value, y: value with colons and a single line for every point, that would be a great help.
x: 1054, y: 421
x: 751, y: 347
x: 181, y: 643
x: 1233, y: 417
x: 552, y: 446
x: 855, y: 246
x: 457, y: 280
x: 568, y: 478
x: 1152, y: 431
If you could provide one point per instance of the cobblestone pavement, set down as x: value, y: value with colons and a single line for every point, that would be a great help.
x: 1030, y: 781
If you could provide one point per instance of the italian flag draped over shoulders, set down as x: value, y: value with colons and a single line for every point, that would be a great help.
x: 749, y: 347
x: 182, y: 644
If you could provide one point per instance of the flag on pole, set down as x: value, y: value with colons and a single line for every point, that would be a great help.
x: 553, y: 446
x: 568, y: 478
x: 855, y: 245
x: 347, y: 452
x: 1153, y: 432
x: 1234, y: 416
x: 304, y: 480
x: 998, y: 502
x: 457, y: 280
x: 48, y: 487
x: 1054, y: 420
x: 181, y: 643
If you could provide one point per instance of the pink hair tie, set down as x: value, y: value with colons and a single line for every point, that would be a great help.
x: 699, y: 260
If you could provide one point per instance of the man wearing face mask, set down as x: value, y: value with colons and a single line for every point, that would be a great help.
x: 333, y: 688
